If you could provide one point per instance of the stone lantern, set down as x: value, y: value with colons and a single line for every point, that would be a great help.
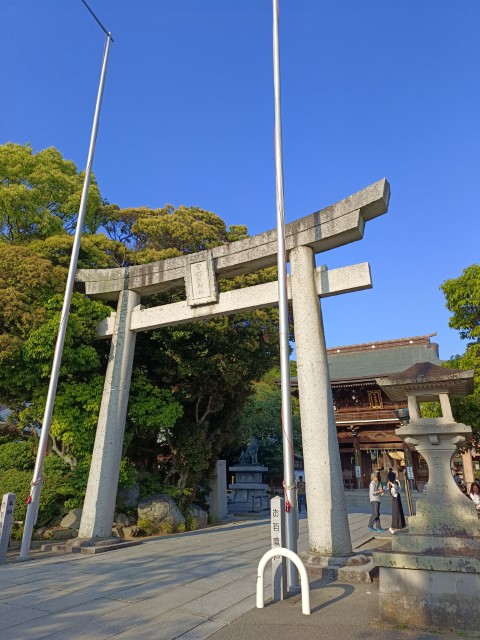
x: 431, y: 577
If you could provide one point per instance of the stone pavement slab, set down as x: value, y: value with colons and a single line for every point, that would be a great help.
x: 339, y: 611
x: 186, y: 586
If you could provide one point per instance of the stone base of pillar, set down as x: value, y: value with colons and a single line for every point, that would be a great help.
x: 90, y: 546
x: 430, y: 580
x: 422, y: 597
x: 356, y: 567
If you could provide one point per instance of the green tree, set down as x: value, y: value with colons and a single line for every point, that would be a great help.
x: 209, y: 367
x: 40, y: 194
x: 462, y: 296
x: 26, y: 284
x: 158, y: 234
x: 189, y: 382
x: 261, y: 417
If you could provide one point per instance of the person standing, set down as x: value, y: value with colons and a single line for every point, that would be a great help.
x: 391, y: 475
x: 398, y: 517
x: 401, y: 478
x: 475, y: 495
x: 302, y: 498
x: 383, y: 477
x: 375, y: 493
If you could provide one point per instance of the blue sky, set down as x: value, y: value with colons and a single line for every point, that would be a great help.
x: 370, y: 89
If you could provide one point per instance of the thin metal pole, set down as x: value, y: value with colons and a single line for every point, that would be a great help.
x: 98, y: 21
x: 36, y: 486
x: 288, y: 473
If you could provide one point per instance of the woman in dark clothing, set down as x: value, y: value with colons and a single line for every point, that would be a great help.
x: 398, y: 517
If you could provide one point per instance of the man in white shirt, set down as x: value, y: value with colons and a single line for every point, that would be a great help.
x: 375, y: 491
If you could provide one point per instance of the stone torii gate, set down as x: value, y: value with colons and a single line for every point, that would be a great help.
x: 332, y: 227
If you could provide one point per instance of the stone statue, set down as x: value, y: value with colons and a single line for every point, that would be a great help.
x: 250, y: 455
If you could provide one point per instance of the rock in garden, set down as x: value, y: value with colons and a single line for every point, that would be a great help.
x: 117, y: 532
x: 121, y: 519
x: 128, y: 497
x: 72, y: 519
x: 59, y: 534
x: 200, y: 516
x: 160, y: 509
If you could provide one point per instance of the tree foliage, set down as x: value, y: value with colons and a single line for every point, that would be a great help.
x: 463, y: 301
x: 462, y: 296
x: 261, y: 417
x: 189, y: 382
x: 40, y: 194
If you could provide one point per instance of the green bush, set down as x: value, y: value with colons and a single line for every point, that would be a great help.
x: 164, y: 528
x: 17, y: 532
x: 78, y: 482
x: 17, y: 482
x: 152, y: 485
x: 147, y: 527
x: 191, y: 523
x: 57, y: 487
x: 18, y: 455
x: 127, y: 476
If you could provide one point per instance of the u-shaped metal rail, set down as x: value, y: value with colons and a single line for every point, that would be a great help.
x: 290, y: 555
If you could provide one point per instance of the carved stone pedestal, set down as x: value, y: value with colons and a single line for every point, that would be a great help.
x: 355, y: 567
x: 249, y: 493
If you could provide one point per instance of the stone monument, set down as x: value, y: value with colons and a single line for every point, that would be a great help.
x: 6, y: 521
x: 431, y: 577
x: 218, y: 494
x: 249, y: 493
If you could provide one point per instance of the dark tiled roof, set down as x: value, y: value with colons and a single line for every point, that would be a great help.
x: 424, y: 377
x: 373, y: 362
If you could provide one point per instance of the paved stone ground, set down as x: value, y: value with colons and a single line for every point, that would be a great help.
x: 190, y: 586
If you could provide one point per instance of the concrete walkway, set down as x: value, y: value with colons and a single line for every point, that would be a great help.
x: 189, y: 586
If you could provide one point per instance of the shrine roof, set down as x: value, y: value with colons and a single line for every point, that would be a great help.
x: 427, y: 377
x: 362, y: 362
x: 371, y: 360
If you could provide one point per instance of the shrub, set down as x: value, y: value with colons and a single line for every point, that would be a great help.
x: 165, y: 528
x: 127, y: 476
x: 18, y: 455
x: 152, y: 485
x: 147, y: 527
x: 17, y: 532
x: 57, y: 486
x: 191, y: 523
x: 17, y: 482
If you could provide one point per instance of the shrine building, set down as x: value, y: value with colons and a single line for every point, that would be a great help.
x: 364, y: 414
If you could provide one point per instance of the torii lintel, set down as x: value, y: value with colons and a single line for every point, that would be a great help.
x: 334, y: 226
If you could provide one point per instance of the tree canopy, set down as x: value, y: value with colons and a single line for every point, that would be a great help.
x: 462, y: 296
x: 261, y: 417
x: 189, y: 382
x: 40, y: 194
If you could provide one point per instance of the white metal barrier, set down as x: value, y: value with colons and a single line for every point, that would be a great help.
x: 281, y: 551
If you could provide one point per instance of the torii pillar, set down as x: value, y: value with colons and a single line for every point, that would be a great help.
x: 328, y: 530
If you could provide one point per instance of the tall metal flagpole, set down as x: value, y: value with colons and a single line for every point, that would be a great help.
x: 288, y: 474
x: 36, y: 485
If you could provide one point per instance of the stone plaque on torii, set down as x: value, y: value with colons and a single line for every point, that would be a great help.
x: 334, y: 226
